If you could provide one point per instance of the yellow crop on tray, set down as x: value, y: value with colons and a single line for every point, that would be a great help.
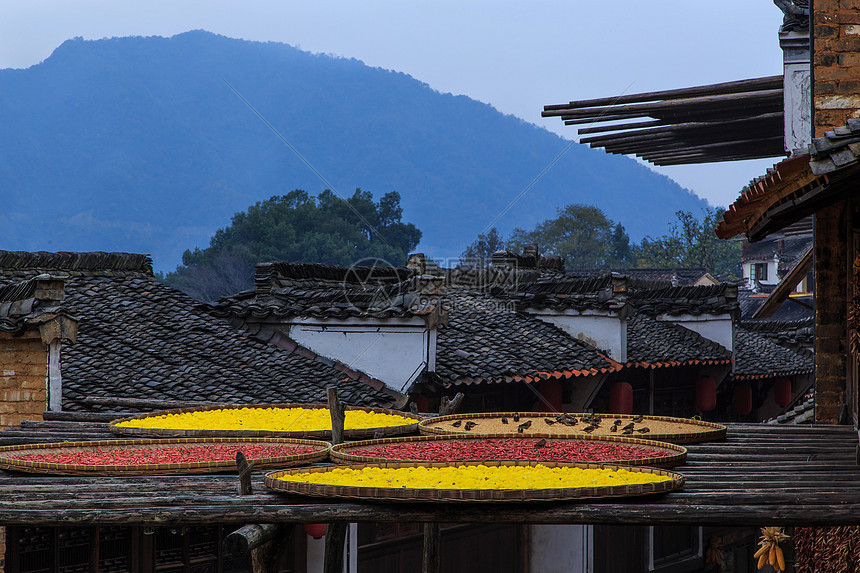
x: 475, y: 477
x: 267, y: 419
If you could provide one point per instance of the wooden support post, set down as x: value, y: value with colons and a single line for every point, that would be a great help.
x: 335, y: 537
x: 338, y: 416
x: 245, y: 487
x: 335, y: 533
x: 432, y: 548
x: 264, y: 543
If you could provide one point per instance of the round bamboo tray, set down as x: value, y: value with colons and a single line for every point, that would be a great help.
x: 273, y: 482
x: 8, y: 461
x: 312, y: 434
x: 676, y: 430
x: 672, y: 455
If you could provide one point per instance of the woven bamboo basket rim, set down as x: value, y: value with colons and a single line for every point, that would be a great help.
x: 312, y: 434
x: 676, y: 481
x: 709, y: 430
x: 674, y: 454
x: 11, y: 463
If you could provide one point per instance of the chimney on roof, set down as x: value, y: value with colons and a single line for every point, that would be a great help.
x: 49, y: 288
x: 504, y: 260
x: 417, y: 263
x: 531, y: 256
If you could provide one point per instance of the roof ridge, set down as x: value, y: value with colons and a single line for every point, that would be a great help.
x: 75, y: 261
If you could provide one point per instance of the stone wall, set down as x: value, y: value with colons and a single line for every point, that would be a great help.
x: 23, y: 371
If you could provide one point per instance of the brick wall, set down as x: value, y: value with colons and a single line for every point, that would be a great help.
x: 23, y: 370
x: 836, y: 63
x: 836, y: 99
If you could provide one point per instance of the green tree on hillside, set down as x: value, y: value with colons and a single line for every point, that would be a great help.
x: 582, y: 234
x: 691, y: 242
x: 480, y: 252
x: 296, y: 227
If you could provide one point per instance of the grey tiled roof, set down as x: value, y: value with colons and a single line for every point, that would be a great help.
x: 485, y: 342
x: 792, y: 249
x: 695, y: 300
x: 326, y: 291
x: 837, y: 149
x: 653, y: 343
x: 803, y: 413
x: 784, y: 332
x: 138, y: 338
x: 579, y: 293
x: 758, y: 357
x: 681, y: 276
x: 20, y: 308
x: 791, y: 310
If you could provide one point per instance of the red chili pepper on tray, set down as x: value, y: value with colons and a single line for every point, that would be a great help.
x: 509, y: 449
x: 107, y: 456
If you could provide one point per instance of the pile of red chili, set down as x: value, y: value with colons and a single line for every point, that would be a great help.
x: 168, y: 455
x: 508, y: 449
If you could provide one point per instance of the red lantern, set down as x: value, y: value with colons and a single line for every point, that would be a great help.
x: 621, y: 398
x: 782, y: 391
x: 550, y: 393
x: 742, y: 399
x: 315, y: 530
x: 706, y: 394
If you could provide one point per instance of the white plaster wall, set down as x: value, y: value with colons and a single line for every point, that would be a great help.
x: 718, y: 328
x: 395, y: 353
x: 561, y: 549
x: 772, y: 278
x: 603, y: 331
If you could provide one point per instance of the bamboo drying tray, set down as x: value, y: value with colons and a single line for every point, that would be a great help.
x: 686, y: 431
x: 473, y: 495
x: 672, y: 454
x: 312, y: 434
x: 8, y: 462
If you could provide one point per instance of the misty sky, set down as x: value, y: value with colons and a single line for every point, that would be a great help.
x: 516, y: 56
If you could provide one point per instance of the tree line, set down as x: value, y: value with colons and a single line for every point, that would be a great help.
x: 300, y: 227
x: 587, y: 239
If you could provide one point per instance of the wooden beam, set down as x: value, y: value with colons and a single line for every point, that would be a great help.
x: 740, y: 86
x: 735, y: 101
x: 786, y: 286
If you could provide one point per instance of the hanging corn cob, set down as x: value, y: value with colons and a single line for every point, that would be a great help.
x: 770, y: 553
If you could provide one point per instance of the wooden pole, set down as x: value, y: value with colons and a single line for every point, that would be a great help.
x: 335, y: 537
x: 265, y: 544
x: 432, y: 548
x: 335, y: 533
x: 338, y: 416
x: 245, y: 487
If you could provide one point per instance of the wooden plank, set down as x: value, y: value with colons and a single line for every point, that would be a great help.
x: 740, y: 86
x: 87, y: 416
x: 727, y: 101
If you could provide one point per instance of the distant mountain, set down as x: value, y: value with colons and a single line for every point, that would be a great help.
x: 140, y: 144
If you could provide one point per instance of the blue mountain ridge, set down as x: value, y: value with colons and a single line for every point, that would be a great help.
x: 139, y: 144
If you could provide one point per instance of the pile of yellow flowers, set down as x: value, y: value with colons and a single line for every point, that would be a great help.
x: 475, y: 477
x: 267, y: 419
